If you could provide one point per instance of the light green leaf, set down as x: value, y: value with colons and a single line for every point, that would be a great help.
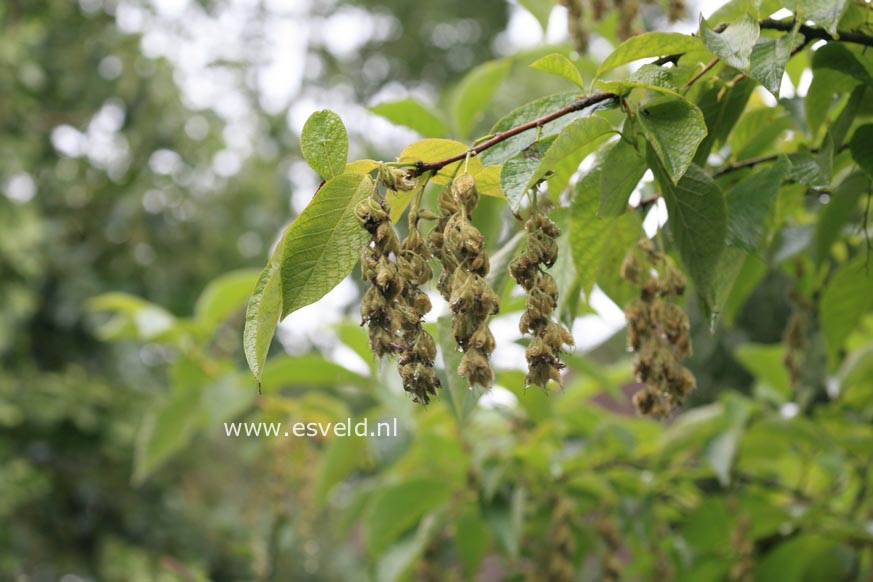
x: 324, y: 243
x: 861, y: 146
x: 845, y: 300
x: 412, y: 114
x: 658, y: 76
x: 558, y: 64
x: 698, y: 223
x: 432, y: 150
x: 625, y: 87
x: 461, y: 397
x: 325, y: 143
x: 833, y: 217
x: 749, y: 203
x: 134, y: 317
x: 765, y: 363
x: 517, y: 171
x: 805, y: 169
x: 472, y: 539
x: 572, y: 145
x: 768, y: 60
x: 825, y: 13
x: 224, y: 296
x: 262, y: 315
x: 308, y: 371
x: 541, y: 10
x: 649, y: 44
x: 474, y: 92
x: 674, y: 128
x: 341, y: 457
x: 622, y: 169
x: 735, y: 44
x: 397, y: 508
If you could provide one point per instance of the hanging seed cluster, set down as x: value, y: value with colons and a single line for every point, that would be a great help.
x: 583, y: 14
x: 461, y: 249
x: 548, y: 337
x: 658, y: 330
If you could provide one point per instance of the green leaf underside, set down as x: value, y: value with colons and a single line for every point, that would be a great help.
x: 697, y: 221
x: 516, y: 171
x: 749, y: 204
x: 768, y: 60
x: 649, y: 44
x: 474, y: 92
x: 325, y: 143
x: 412, y: 114
x: 324, y: 243
x: 735, y: 44
x: 674, y: 128
x: 623, y: 167
x: 825, y: 13
x: 558, y: 64
x: 262, y: 316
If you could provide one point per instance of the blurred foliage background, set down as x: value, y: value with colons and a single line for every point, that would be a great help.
x: 149, y: 158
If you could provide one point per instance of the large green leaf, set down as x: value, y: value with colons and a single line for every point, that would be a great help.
x: 589, y: 233
x: 749, y: 203
x: 649, y: 44
x: 622, y: 169
x: 412, y: 114
x: 325, y: 143
x: 845, y: 300
x: 262, y: 315
x: 517, y: 171
x: 861, y: 146
x: 697, y: 221
x: 396, y: 508
x: 572, y: 145
x: 825, y: 13
x: 734, y: 45
x: 674, y: 128
x: 461, y: 397
x: 721, y: 107
x: 320, y: 248
x: 474, y: 92
x: 768, y: 60
x: 558, y: 64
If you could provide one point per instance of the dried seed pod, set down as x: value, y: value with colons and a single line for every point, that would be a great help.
x: 658, y: 330
x: 548, y: 337
x: 461, y: 250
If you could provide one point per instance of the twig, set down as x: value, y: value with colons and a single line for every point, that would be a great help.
x: 818, y: 33
x: 752, y: 162
x: 702, y: 72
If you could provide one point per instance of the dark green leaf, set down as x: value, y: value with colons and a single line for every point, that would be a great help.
x: 517, y: 171
x: 412, y: 114
x: 735, y: 44
x: 861, y: 146
x: 471, y: 540
x: 769, y: 58
x: 325, y: 143
x: 721, y: 107
x: 846, y: 299
x: 622, y: 169
x: 674, y: 128
x: 461, y: 396
x: 572, y: 145
x: 749, y: 203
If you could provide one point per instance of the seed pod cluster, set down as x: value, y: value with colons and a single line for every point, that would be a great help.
x: 576, y: 24
x: 379, y: 307
x: 548, y: 337
x: 418, y: 349
x: 461, y: 248
x: 658, y: 330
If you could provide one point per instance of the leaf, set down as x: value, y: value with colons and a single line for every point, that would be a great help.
x: 340, y: 459
x: 649, y: 44
x: 135, y: 317
x: 472, y: 539
x: 721, y: 107
x: 588, y: 232
x: 572, y: 145
x: 846, y: 299
x: 320, y: 248
x: 749, y: 203
x: 488, y: 181
x: 361, y: 167
x: 834, y: 216
x: 697, y: 221
x: 308, y: 371
x: 325, y: 143
x: 658, y: 76
x: 396, y: 508
x: 558, y: 64
x: 805, y: 169
x: 223, y: 296
x: 461, y: 397
x: 622, y: 169
x: 262, y: 315
x: 825, y: 13
x: 433, y: 150
x: 474, y: 92
x: 768, y: 60
x: 861, y: 147
x: 516, y: 171
x: 524, y: 114
x: 735, y: 44
x: 541, y: 10
x: 674, y: 128
x: 765, y: 363
x: 412, y: 114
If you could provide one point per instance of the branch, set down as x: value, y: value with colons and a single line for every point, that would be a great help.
x: 752, y: 162
x: 422, y: 167
x: 818, y: 33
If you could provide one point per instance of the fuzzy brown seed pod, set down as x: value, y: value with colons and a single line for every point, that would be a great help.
x: 658, y: 330
x: 418, y: 349
x: 548, y: 337
x: 676, y: 10
x: 461, y: 248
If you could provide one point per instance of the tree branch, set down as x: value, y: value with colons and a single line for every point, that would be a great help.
x: 818, y: 33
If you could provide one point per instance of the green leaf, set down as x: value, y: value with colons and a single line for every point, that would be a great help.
x: 517, y: 171
x: 412, y: 114
x: 474, y: 92
x: 805, y: 169
x: 721, y: 107
x: 674, y: 128
x: 462, y: 398
x: 472, y: 539
x: 541, y: 10
x: 397, y: 508
x: 768, y: 60
x: 262, y: 315
x: 340, y: 458
x: 134, y: 317
x: 223, y: 296
x: 320, y: 248
x: 697, y: 221
x: 765, y: 363
x: 833, y: 217
x: 735, y: 44
x: 558, y: 64
x: 649, y: 44
x: 825, y: 13
x: 836, y: 69
x: 749, y: 203
x: 846, y: 299
x: 309, y: 371
x: 572, y: 145
x: 325, y: 143
x: 622, y: 169
x: 861, y: 147
x: 432, y: 150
